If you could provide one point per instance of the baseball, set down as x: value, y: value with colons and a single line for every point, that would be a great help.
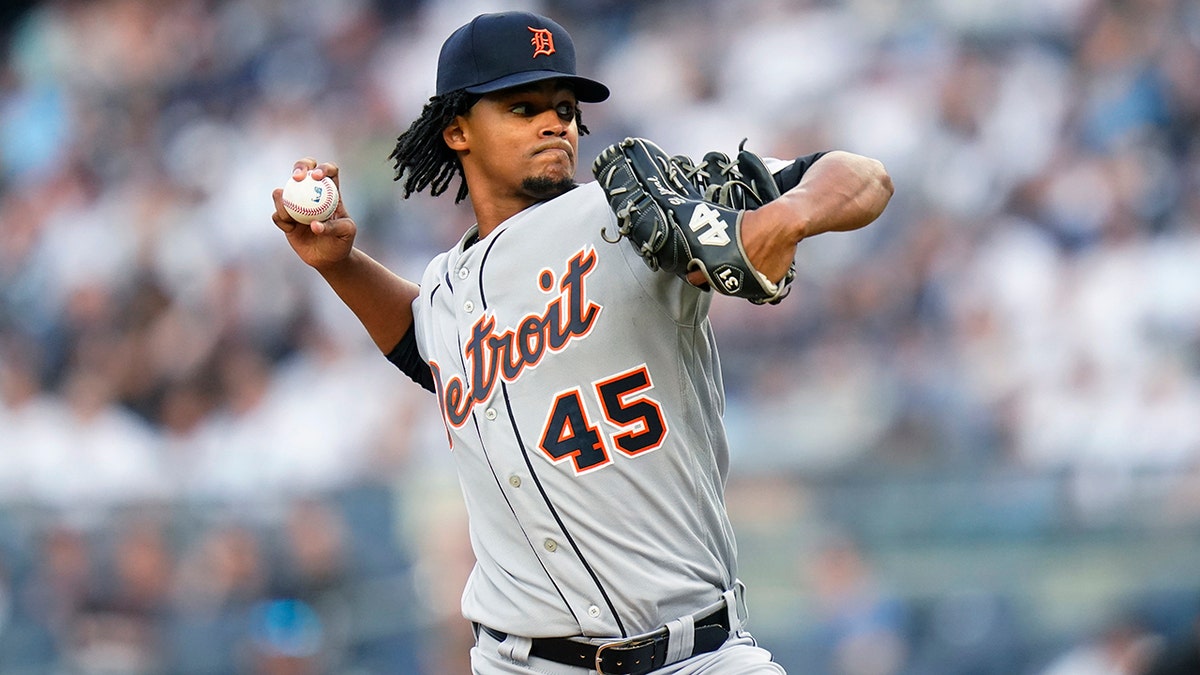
x: 310, y: 199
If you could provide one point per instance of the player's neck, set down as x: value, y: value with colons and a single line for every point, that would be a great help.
x: 490, y: 213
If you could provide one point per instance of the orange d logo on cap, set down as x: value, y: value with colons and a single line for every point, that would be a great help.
x: 542, y: 41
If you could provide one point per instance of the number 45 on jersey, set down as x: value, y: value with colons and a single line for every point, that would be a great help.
x: 638, y: 421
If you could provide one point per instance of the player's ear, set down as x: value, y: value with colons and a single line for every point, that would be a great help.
x: 455, y: 135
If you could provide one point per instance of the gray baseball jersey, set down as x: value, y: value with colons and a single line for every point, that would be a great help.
x: 582, y: 397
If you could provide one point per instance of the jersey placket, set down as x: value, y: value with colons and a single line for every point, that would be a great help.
x: 518, y: 476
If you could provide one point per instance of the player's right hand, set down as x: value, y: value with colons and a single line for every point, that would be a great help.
x: 320, y: 244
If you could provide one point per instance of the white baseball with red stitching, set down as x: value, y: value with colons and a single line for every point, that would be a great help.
x: 309, y: 199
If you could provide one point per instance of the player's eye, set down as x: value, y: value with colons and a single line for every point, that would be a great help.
x: 520, y: 109
x: 565, y: 111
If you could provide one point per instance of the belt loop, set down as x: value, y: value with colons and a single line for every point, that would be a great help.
x: 735, y: 604
x: 516, y: 648
x: 681, y: 638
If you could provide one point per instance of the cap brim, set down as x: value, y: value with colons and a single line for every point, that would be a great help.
x: 588, y: 91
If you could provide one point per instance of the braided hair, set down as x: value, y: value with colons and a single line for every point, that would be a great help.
x: 422, y: 153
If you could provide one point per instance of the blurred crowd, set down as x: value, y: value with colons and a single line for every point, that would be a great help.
x: 187, y: 414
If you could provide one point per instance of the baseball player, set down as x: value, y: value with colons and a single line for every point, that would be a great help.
x: 577, y: 375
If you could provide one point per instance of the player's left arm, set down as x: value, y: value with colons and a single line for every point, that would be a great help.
x: 839, y: 192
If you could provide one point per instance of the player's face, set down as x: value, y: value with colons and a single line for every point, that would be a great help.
x: 524, y: 141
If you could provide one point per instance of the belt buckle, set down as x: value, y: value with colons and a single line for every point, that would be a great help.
x: 628, y: 644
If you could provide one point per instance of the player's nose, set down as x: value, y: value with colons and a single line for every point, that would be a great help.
x: 553, y: 125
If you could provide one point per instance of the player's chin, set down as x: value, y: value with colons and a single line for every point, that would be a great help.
x: 553, y: 163
x: 547, y: 186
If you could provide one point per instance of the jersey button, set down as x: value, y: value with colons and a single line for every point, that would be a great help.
x: 468, y: 307
x: 551, y: 545
x: 594, y: 611
x: 463, y: 273
x: 490, y: 413
x: 514, y: 481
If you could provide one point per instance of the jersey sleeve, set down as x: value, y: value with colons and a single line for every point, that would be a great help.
x: 406, y: 357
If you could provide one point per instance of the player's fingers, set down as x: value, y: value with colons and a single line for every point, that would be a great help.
x: 326, y: 169
x: 302, y: 166
x: 281, y: 218
x: 285, y: 224
x: 334, y: 227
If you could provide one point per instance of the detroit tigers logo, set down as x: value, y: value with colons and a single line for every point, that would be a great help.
x: 542, y: 41
x: 492, y: 354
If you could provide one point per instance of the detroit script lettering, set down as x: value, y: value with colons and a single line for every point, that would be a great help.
x: 490, y: 354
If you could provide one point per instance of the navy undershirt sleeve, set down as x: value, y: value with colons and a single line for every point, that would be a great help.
x: 790, y: 177
x: 406, y: 357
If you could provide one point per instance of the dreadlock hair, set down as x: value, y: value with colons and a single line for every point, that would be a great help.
x: 422, y: 153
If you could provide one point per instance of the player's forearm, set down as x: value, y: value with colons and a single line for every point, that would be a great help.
x: 839, y: 192
x: 842, y: 191
x: 381, y: 299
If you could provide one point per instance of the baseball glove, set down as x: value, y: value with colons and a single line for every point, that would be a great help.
x: 743, y: 182
x: 681, y: 216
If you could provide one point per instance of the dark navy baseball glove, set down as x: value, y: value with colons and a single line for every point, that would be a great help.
x: 683, y: 216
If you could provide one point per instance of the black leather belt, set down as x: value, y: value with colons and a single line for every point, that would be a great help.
x: 629, y: 657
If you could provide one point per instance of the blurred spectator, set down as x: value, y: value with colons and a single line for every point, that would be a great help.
x: 307, y: 622
x: 862, y: 629
x: 120, y: 628
x: 220, y: 579
x: 1027, y: 307
x: 1123, y: 647
x: 63, y: 582
x: 971, y: 631
x: 288, y: 639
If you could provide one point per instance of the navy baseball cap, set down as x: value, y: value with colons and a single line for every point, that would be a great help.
x: 510, y: 49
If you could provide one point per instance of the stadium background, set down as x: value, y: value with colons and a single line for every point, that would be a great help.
x: 966, y: 444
